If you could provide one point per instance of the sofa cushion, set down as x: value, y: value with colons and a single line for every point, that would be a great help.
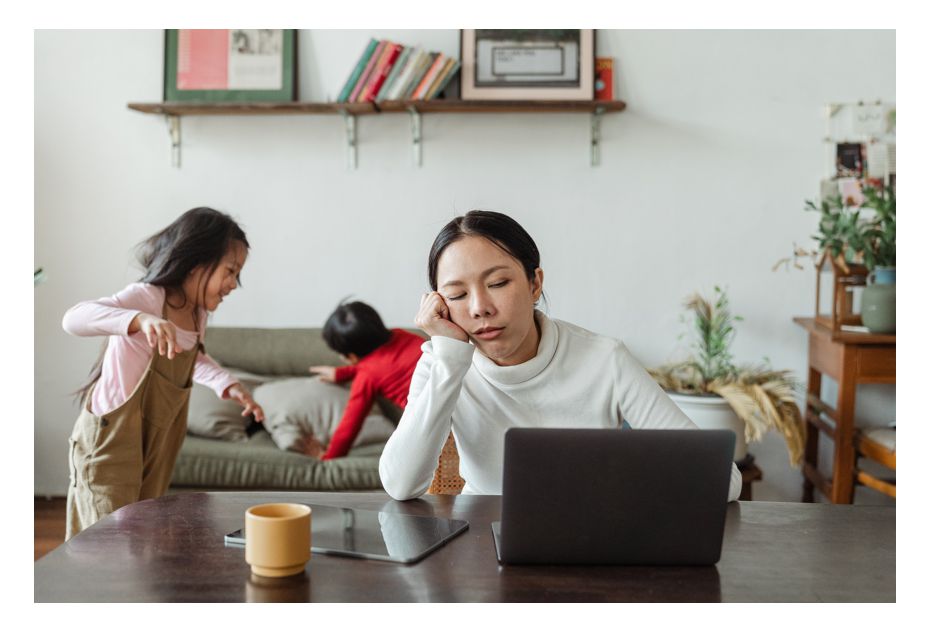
x: 299, y: 406
x: 210, y: 416
x: 258, y: 464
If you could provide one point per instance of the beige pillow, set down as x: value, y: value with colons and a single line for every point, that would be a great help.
x: 216, y: 418
x: 297, y: 406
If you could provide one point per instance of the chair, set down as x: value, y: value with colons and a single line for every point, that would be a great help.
x: 446, y: 480
x: 879, y: 445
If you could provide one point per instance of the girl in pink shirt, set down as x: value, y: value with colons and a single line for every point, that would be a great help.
x: 134, y: 406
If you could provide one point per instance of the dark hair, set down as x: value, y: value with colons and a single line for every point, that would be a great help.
x: 200, y: 237
x: 355, y: 327
x: 498, y: 228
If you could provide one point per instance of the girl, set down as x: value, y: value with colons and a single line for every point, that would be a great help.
x: 494, y: 362
x: 134, y: 407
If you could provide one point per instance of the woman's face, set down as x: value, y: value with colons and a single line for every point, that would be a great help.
x: 489, y: 296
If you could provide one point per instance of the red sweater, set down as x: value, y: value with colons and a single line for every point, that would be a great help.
x: 387, y: 371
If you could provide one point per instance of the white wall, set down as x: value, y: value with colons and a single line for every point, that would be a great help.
x: 702, y: 182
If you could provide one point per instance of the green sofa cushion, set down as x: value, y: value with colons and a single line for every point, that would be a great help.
x: 258, y: 463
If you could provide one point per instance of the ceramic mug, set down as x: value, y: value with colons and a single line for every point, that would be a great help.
x: 278, y: 539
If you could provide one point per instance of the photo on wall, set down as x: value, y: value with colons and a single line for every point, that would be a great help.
x: 230, y: 65
x: 527, y: 64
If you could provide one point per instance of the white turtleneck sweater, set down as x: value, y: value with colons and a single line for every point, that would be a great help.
x: 577, y: 379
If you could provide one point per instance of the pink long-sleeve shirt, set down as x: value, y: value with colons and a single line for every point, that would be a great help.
x: 127, y: 356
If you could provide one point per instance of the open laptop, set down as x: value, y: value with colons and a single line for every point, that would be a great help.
x: 603, y: 496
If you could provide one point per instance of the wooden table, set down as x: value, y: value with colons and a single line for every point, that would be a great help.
x: 172, y: 549
x: 850, y: 359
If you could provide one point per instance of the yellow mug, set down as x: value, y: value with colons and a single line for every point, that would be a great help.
x: 278, y: 539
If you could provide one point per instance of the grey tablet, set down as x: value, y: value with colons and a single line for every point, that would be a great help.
x: 372, y: 534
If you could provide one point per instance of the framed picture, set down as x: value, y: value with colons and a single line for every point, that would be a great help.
x: 527, y: 64
x: 229, y: 65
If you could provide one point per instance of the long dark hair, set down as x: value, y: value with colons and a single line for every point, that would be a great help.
x: 200, y: 237
x: 498, y: 228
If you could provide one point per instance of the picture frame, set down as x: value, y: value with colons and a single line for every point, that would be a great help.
x: 527, y: 64
x: 229, y: 65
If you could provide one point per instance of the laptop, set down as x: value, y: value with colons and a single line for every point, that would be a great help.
x: 623, y: 497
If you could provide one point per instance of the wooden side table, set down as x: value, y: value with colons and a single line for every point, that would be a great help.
x: 850, y: 359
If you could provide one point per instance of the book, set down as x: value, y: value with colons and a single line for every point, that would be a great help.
x: 395, y: 72
x: 379, y: 76
x: 603, y: 79
x: 357, y: 71
x: 389, y: 93
x: 412, y: 69
x: 375, y: 70
x: 451, y: 67
x: 424, y: 63
x: 362, y: 80
x: 434, y: 69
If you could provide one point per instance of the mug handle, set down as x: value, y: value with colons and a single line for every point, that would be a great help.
x: 871, y: 277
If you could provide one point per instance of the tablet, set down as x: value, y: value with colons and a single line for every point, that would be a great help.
x: 372, y: 534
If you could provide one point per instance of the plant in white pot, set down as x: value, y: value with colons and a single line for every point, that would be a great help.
x: 715, y: 393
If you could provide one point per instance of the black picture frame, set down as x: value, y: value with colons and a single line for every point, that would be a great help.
x: 544, y: 64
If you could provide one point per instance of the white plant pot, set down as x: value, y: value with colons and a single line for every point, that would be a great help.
x: 713, y: 413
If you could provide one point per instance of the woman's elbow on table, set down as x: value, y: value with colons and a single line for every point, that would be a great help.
x: 400, y: 488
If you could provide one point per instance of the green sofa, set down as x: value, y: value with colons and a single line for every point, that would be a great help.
x: 258, y: 464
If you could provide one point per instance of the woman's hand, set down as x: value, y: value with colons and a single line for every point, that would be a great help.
x: 435, y: 319
x: 238, y: 393
x: 159, y: 332
x: 325, y: 373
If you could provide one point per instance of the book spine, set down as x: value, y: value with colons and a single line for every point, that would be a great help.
x: 356, y: 72
x: 367, y: 71
x: 444, y: 78
x: 381, y: 76
x: 378, y: 65
x: 429, y: 77
x: 424, y: 63
x: 399, y: 89
x: 397, y: 70
x: 438, y: 76
x: 365, y: 92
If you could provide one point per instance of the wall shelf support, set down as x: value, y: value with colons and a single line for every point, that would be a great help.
x: 351, y: 132
x: 595, y: 127
x: 174, y: 131
x: 416, y: 119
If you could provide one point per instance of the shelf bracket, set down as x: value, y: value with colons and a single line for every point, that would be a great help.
x: 416, y: 118
x: 351, y: 131
x: 595, y: 123
x: 174, y: 131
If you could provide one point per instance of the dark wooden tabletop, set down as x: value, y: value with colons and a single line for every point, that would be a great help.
x: 172, y: 549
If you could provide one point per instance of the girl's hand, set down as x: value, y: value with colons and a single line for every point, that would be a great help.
x: 310, y: 446
x: 325, y: 373
x: 435, y: 319
x: 240, y: 394
x: 161, y: 333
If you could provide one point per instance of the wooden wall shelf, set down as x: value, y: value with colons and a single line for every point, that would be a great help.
x: 350, y: 110
x: 371, y: 108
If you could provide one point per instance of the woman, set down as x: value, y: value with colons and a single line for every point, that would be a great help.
x: 495, y: 362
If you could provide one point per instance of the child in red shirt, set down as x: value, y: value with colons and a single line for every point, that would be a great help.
x: 380, y: 362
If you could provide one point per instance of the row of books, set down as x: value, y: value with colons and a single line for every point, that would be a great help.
x: 390, y: 71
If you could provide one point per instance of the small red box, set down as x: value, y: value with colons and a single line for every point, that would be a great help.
x: 603, y: 80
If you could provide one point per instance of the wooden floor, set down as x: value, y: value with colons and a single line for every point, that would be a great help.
x: 49, y: 524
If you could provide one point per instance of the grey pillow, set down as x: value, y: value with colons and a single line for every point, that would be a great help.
x: 298, y: 406
x: 216, y: 418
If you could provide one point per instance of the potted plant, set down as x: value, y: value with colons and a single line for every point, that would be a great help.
x: 716, y: 393
x: 861, y: 244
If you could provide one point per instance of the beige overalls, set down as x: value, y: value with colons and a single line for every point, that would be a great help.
x: 128, y: 454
